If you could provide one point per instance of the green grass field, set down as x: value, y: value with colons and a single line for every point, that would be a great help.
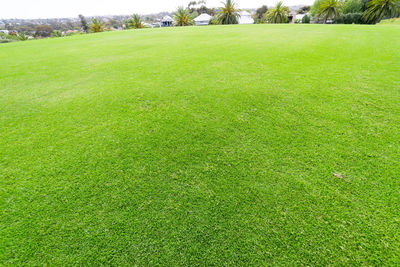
x: 202, y: 146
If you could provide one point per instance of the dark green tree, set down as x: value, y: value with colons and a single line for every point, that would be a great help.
x: 43, y: 31
x: 260, y: 13
x: 84, y: 24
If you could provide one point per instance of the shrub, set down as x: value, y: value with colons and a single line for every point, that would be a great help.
x: 214, y: 22
x: 7, y: 38
x: 306, y: 19
x: 57, y: 34
x: 350, y: 18
x: 22, y: 37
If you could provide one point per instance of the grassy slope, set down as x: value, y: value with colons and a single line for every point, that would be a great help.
x: 203, y: 145
x: 390, y: 21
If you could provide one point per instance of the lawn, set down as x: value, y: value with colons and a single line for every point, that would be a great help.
x: 220, y: 145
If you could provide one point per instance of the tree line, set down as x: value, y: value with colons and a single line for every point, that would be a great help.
x: 354, y: 11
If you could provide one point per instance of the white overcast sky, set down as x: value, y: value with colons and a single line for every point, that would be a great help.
x: 71, y: 8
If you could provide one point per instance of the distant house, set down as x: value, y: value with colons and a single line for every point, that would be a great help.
x: 203, y: 19
x: 292, y: 16
x: 166, y: 21
x: 147, y: 25
x: 12, y: 32
x: 245, y: 18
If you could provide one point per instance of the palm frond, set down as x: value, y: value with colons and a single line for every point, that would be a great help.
x: 377, y: 9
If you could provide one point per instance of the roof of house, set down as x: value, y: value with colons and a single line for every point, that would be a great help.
x: 203, y: 17
x: 244, y: 13
x: 167, y: 19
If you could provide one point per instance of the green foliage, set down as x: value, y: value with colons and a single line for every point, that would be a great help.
x: 56, y: 34
x: 43, y: 31
x: 214, y: 21
x: 202, y: 8
x: 329, y: 9
x: 278, y: 14
x: 135, y: 22
x: 378, y: 9
x: 306, y: 19
x: 259, y: 16
x: 6, y: 38
x: 113, y: 24
x: 22, y: 37
x: 229, y: 13
x: 84, y: 24
x: 182, y: 17
x: 350, y: 18
x: 304, y: 10
x: 97, y: 25
x: 315, y: 7
x: 352, y: 6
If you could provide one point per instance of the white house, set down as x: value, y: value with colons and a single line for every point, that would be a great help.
x: 299, y: 17
x: 245, y: 18
x: 166, y: 21
x: 203, y: 19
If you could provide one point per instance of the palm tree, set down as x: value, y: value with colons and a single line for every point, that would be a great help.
x: 278, y: 14
x: 183, y: 17
x: 377, y: 9
x: 134, y: 22
x: 329, y: 9
x: 97, y: 25
x: 229, y: 14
